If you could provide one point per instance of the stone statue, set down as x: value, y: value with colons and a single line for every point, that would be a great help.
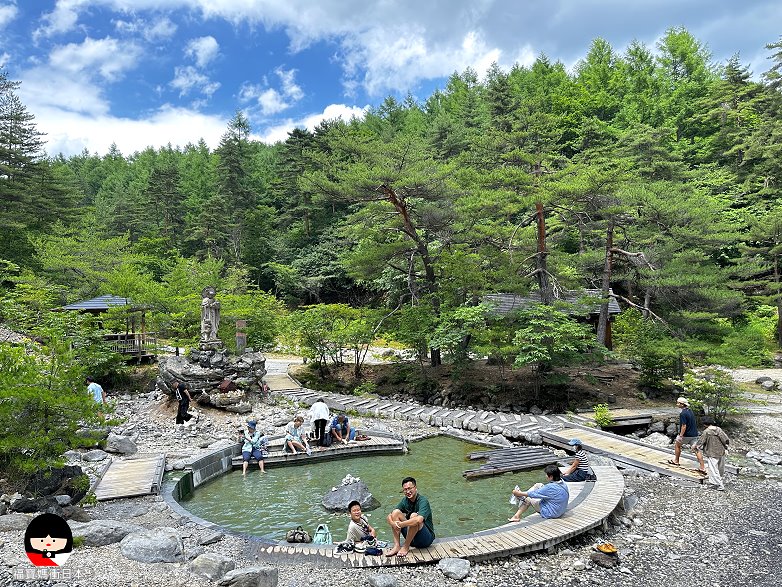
x: 210, y: 315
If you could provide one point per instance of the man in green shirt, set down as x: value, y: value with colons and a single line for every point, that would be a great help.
x: 412, y: 518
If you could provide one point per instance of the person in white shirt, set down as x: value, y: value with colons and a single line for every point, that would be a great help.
x: 319, y: 416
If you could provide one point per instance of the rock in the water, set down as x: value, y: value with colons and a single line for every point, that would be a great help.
x: 251, y: 577
x: 211, y: 565
x: 768, y: 385
x: 121, y: 444
x: 159, y: 545
x: 762, y: 379
x: 337, y: 501
x: 383, y: 580
x: 103, y: 532
x: 454, y: 568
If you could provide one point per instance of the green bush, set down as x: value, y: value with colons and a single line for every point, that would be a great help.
x: 603, y: 416
x: 711, y: 391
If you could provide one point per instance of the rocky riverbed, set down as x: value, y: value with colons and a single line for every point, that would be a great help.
x: 670, y: 535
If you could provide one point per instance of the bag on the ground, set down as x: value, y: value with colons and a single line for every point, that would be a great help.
x: 327, y: 438
x: 322, y: 535
x: 298, y: 534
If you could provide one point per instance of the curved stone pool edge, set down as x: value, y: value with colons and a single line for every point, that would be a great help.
x: 208, y: 466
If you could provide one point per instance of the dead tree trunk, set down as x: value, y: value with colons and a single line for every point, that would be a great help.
x: 602, y: 323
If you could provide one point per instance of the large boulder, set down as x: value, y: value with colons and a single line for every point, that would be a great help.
x: 251, y: 577
x: 25, y: 505
x: 68, y: 480
x: 211, y: 565
x: 123, y: 445
x: 338, y: 500
x: 103, y: 532
x: 159, y: 545
x: 205, y: 370
x: 454, y: 568
x: 14, y: 522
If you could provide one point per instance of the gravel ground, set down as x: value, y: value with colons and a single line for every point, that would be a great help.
x: 672, y: 535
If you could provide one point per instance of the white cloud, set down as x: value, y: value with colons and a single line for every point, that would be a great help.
x: 108, y: 57
x: 73, y: 93
x: 162, y: 29
x: 8, y: 12
x: 270, y: 100
x: 60, y: 20
x: 71, y: 132
x: 279, y: 132
x: 203, y: 49
x: 188, y: 78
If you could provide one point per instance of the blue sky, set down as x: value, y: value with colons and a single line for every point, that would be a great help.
x: 152, y: 72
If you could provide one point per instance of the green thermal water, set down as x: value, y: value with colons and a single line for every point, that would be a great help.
x: 268, y: 504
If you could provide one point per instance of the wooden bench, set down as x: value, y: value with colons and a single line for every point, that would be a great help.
x: 590, y: 508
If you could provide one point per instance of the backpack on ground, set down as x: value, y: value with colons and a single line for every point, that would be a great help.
x: 322, y: 535
x: 327, y: 438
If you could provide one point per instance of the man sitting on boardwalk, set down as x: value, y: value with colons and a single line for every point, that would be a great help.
x: 550, y: 500
x: 412, y: 518
x: 579, y: 469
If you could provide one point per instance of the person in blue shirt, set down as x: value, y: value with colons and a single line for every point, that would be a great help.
x: 254, y: 445
x: 340, y: 429
x: 688, y: 435
x: 97, y: 393
x: 550, y: 500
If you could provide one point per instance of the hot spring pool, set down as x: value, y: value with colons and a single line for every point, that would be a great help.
x: 268, y: 504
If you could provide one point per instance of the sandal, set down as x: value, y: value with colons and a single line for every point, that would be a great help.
x: 675, y: 464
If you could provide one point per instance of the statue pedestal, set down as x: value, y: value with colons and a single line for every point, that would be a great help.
x: 211, y: 345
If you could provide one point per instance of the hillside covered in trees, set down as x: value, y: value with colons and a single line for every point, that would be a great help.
x: 655, y: 173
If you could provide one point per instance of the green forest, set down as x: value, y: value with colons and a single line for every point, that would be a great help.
x: 655, y: 174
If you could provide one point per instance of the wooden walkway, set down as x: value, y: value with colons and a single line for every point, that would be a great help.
x: 590, y: 505
x: 141, y: 474
x: 630, y: 452
x: 378, y: 443
x: 281, y: 382
x: 507, y: 460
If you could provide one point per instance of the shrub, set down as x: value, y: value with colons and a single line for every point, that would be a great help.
x: 711, y: 391
x: 603, y: 416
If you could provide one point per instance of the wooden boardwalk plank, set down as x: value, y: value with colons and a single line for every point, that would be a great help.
x: 141, y: 475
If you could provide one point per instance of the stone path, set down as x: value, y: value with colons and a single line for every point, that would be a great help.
x: 512, y: 426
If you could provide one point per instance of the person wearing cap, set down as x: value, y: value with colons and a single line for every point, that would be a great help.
x: 579, y: 470
x: 255, y: 445
x: 688, y: 434
x: 549, y: 499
